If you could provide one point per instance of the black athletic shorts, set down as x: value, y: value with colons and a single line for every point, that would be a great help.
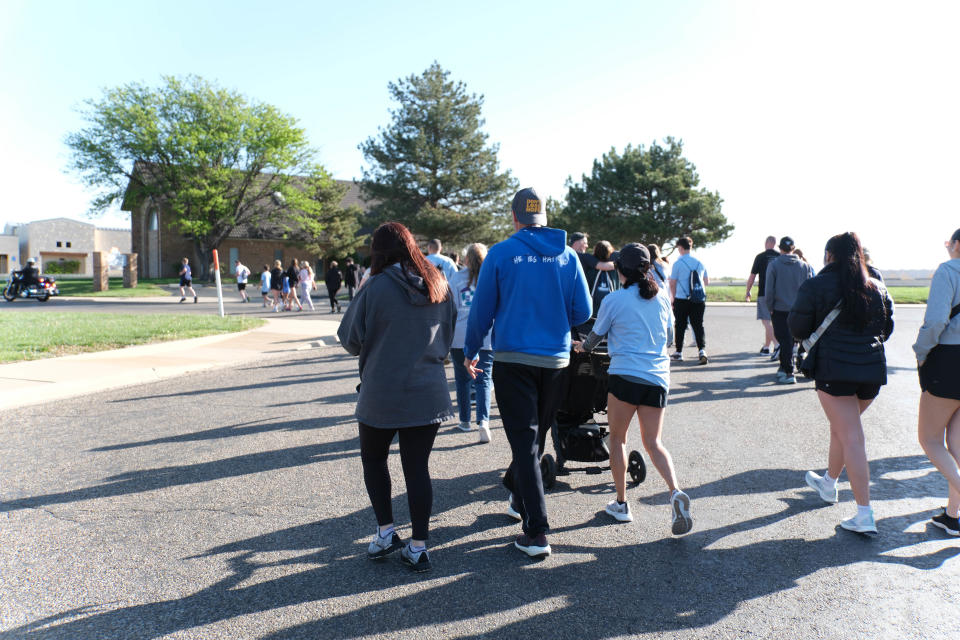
x: 241, y: 286
x: 637, y: 393
x: 862, y: 390
x: 939, y: 375
x: 186, y: 282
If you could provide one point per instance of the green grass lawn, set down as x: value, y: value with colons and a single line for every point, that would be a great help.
x: 901, y: 295
x: 84, y: 288
x: 29, y: 336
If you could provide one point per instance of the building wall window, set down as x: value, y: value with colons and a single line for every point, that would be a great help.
x: 234, y: 256
x: 68, y: 245
x: 59, y: 244
x: 154, y: 220
x: 278, y: 254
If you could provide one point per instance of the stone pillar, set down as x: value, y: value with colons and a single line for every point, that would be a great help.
x: 101, y: 280
x: 130, y: 271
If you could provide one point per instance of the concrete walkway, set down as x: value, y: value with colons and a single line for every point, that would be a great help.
x: 40, y: 381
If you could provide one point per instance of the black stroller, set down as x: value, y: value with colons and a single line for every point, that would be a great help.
x: 577, y: 436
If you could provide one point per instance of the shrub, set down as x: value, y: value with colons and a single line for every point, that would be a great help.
x: 62, y: 266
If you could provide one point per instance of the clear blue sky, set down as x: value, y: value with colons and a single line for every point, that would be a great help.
x: 808, y: 119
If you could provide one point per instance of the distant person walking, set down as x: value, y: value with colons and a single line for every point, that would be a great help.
x: 442, y: 262
x: 276, y: 285
x: 401, y: 325
x: 265, y: 285
x: 242, y: 273
x: 186, y: 280
x: 580, y: 243
x: 872, y: 270
x: 638, y: 324
x: 333, y: 279
x: 938, y: 359
x: 351, y: 276
x: 603, y: 282
x: 850, y: 363
x: 759, y: 272
x: 293, y: 277
x: 687, y: 281
x: 307, y: 283
x: 464, y: 287
x: 785, y: 274
x: 532, y: 288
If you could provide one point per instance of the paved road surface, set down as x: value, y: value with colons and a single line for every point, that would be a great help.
x: 229, y: 504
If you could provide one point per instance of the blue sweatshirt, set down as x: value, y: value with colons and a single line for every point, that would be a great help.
x: 531, y: 289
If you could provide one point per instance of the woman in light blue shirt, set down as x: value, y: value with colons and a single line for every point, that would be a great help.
x: 638, y: 323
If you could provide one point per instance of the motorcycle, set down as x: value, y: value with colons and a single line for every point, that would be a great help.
x: 41, y: 292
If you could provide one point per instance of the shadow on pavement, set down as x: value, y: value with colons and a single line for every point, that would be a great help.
x: 484, y: 584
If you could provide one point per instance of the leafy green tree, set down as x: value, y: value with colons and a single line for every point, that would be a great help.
x: 645, y: 195
x: 432, y: 168
x: 315, y: 219
x: 212, y: 158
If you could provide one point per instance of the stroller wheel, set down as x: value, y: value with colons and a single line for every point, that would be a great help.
x: 548, y: 471
x: 636, y: 468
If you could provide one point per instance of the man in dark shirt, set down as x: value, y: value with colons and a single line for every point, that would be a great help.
x: 580, y: 242
x: 763, y: 314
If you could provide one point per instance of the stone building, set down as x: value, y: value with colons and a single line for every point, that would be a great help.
x: 9, y: 253
x: 160, y: 247
x: 66, y: 241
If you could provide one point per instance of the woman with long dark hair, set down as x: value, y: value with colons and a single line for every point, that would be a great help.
x: 849, y: 363
x: 638, y: 323
x: 463, y: 285
x: 938, y: 357
x: 401, y: 324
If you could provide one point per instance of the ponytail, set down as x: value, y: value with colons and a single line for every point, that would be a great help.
x: 641, y: 277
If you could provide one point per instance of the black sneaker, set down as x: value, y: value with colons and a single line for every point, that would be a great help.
x: 775, y: 355
x: 418, y: 561
x: 765, y: 351
x: 182, y: 299
x: 533, y: 547
x: 194, y: 299
x: 945, y: 522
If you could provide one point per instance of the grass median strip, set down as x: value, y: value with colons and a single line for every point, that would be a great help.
x: 900, y: 295
x: 29, y: 336
x: 84, y: 288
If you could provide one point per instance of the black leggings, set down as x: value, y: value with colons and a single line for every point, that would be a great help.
x: 333, y: 297
x: 415, y: 446
x: 684, y: 310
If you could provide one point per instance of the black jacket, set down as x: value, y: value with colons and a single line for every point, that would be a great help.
x: 293, y: 274
x: 333, y: 278
x: 350, y: 275
x: 846, y: 352
x: 276, y: 278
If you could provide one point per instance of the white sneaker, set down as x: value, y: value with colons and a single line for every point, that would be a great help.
x: 676, y: 356
x: 513, y: 513
x: 619, y: 511
x: 464, y: 426
x: 818, y: 483
x: 682, y: 522
x: 861, y: 524
x: 484, y: 431
x: 703, y: 357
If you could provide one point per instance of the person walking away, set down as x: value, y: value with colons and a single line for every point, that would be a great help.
x: 850, y: 364
x: 401, y: 326
x: 785, y: 274
x: 580, y: 243
x: 333, y: 280
x: 638, y: 324
x: 186, y: 281
x: 306, y: 283
x: 758, y: 272
x: 658, y: 267
x: 351, y: 276
x: 265, y: 285
x: 687, y: 281
x: 463, y: 286
x: 533, y: 288
x: 603, y: 282
x: 872, y: 270
x: 293, y: 275
x: 442, y: 262
x: 242, y: 273
x: 276, y: 285
x: 938, y: 354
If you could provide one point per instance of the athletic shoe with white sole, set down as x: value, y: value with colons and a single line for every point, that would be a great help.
x: 829, y: 494
x: 620, y: 511
x: 484, y: 431
x: 945, y: 522
x: 775, y: 354
x: 703, y: 357
x: 512, y: 511
x: 418, y: 561
x: 534, y: 547
x: 682, y: 522
x: 464, y: 426
x: 864, y: 524
x: 676, y: 356
x: 382, y: 547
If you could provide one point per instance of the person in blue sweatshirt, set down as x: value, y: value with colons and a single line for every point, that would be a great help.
x: 531, y: 290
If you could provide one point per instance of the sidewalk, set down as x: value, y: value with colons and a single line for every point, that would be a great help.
x: 40, y: 381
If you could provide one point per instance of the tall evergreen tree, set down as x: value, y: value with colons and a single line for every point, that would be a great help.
x: 432, y: 168
x: 645, y: 195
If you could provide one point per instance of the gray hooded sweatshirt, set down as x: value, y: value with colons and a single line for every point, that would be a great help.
x: 785, y: 274
x: 937, y: 326
x: 402, y: 340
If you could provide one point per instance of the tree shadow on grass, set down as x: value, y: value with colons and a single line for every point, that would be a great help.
x: 480, y: 582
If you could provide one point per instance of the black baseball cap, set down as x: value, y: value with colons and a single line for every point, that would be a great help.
x: 633, y: 256
x: 577, y: 235
x: 786, y: 243
x: 528, y: 207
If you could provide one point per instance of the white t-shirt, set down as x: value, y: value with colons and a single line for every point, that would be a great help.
x: 242, y: 273
x: 446, y: 265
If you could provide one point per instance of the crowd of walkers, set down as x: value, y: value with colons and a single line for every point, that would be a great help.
x: 505, y: 320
